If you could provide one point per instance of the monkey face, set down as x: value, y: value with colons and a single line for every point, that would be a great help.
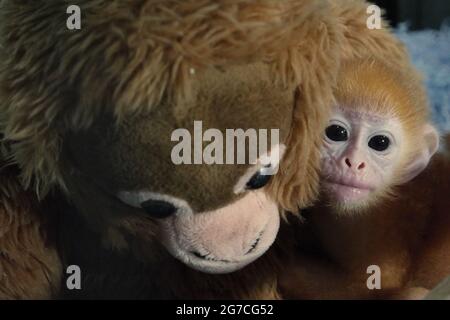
x: 359, y: 154
x: 378, y: 136
x: 365, y: 153
x: 214, y: 217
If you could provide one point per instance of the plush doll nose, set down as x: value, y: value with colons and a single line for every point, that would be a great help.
x: 158, y: 208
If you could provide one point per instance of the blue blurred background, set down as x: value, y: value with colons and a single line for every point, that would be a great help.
x: 424, y: 26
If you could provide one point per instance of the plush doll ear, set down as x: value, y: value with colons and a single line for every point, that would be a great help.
x: 421, y: 160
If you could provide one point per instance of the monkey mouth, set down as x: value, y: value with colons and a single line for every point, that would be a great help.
x: 353, y: 184
x: 348, y: 191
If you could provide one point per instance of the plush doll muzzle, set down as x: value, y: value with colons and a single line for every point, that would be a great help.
x: 222, y: 240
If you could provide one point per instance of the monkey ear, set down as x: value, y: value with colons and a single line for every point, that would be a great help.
x: 421, y: 160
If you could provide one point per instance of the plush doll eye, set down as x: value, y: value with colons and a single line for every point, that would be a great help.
x: 379, y: 143
x: 336, y: 133
x: 258, y: 181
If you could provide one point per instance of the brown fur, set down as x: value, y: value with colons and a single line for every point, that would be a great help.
x: 122, y: 65
x: 406, y: 234
x: 29, y: 263
x: 238, y: 32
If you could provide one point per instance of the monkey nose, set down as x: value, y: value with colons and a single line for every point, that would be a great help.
x: 348, y: 163
x: 360, y: 166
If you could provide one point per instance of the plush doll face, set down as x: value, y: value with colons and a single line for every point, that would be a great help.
x: 214, y: 217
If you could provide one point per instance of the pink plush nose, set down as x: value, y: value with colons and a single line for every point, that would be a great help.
x: 234, y: 232
x: 231, y: 232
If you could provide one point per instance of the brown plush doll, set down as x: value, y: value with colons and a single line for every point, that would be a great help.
x: 29, y: 264
x: 89, y: 118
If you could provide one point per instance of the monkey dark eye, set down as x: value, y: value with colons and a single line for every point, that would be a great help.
x: 258, y: 181
x: 336, y: 133
x: 379, y: 143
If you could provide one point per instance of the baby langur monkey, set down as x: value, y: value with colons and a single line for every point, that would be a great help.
x: 377, y: 138
x: 376, y: 210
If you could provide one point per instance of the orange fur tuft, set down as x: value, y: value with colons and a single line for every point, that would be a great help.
x: 388, y: 91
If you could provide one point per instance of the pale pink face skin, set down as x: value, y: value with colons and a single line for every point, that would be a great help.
x: 352, y: 169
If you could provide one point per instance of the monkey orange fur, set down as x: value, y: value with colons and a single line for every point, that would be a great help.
x: 405, y: 232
